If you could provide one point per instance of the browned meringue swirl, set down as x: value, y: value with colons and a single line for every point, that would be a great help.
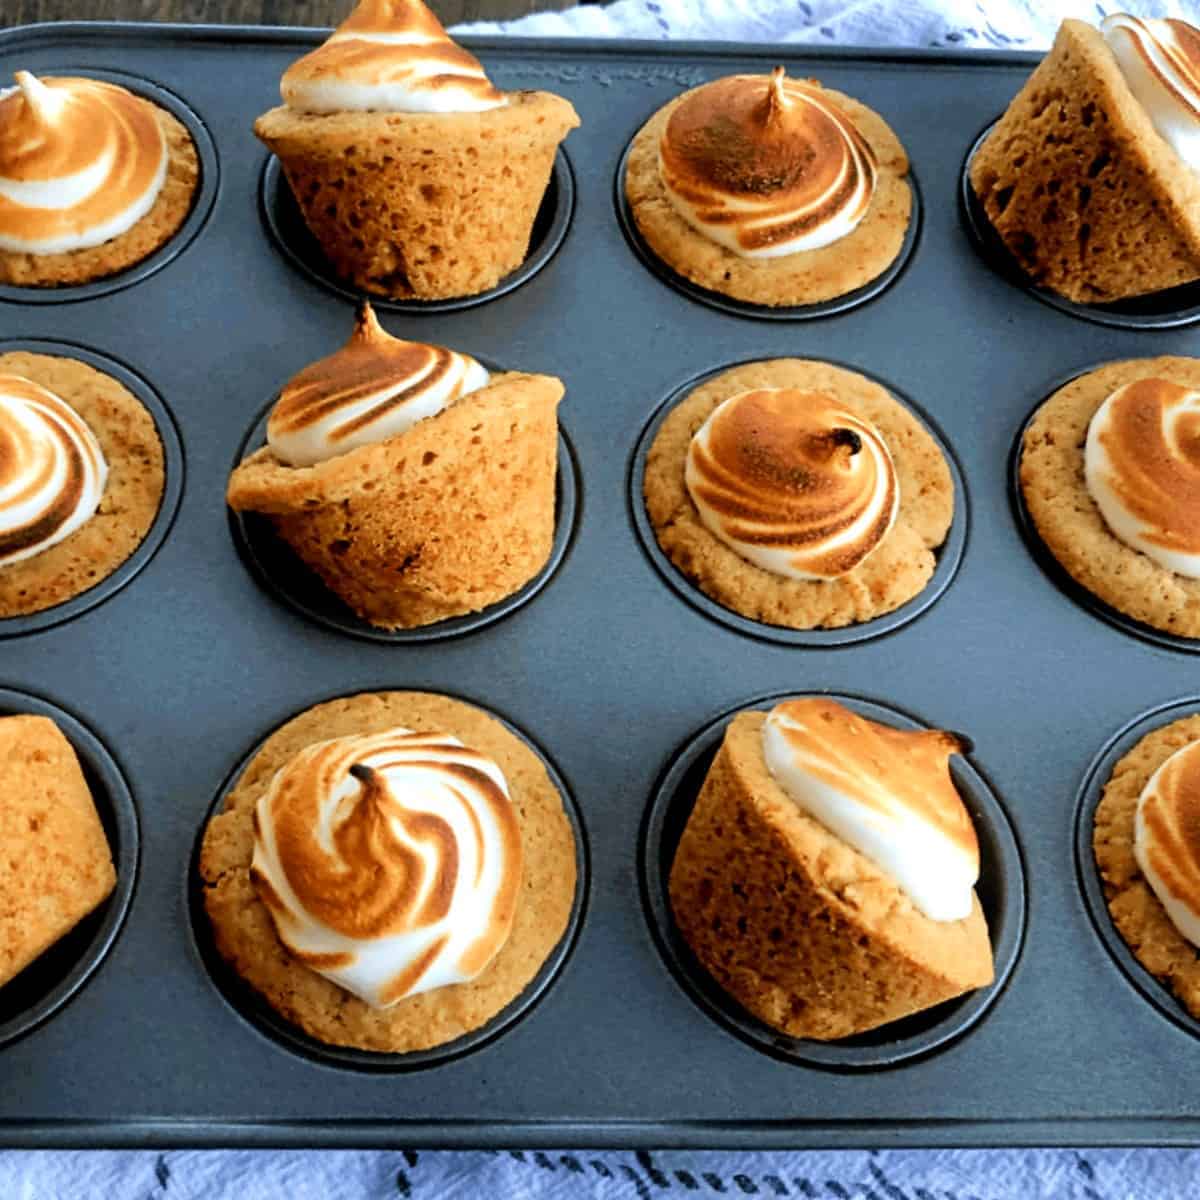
x: 389, y: 862
x: 793, y: 482
x: 1167, y: 837
x: 1142, y: 464
x: 52, y: 471
x: 391, y: 56
x: 375, y: 387
x: 80, y: 162
x: 879, y: 766
x: 766, y: 166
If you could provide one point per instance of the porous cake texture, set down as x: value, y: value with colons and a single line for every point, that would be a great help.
x: 446, y: 518
x: 55, y: 861
x: 1091, y: 201
x: 801, y: 929
x: 410, y: 205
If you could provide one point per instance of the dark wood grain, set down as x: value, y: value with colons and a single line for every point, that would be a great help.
x: 248, y: 12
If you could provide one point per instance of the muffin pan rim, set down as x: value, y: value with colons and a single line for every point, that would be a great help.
x: 254, y: 1012
x: 948, y: 556
x: 203, y: 200
x: 961, y: 1013
x: 174, y: 479
x: 102, y: 766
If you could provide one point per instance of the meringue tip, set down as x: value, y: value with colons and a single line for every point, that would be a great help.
x: 777, y: 100
x: 43, y: 100
x: 366, y: 323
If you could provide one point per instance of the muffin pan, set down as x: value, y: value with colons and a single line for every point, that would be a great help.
x: 607, y: 669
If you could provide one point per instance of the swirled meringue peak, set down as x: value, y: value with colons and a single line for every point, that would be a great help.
x: 1142, y: 468
x: 81, y: 162
x: 792, y: 482
x: 766, y: 166
x: 52, y: 470
x: 375, y: 387
x: 390, y: 863
x: 1166, y: 840
x: 389, y: 56
x: 1160, y: 60
x: 886, y: 792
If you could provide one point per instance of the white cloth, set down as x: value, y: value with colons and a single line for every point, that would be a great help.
x: 990, y: 24
x: 605, y: 1175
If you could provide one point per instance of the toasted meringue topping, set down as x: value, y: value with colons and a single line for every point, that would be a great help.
x: 390, y: 863
x: 792, y: 482
x: 389, y: 56
x: 766, y: 166
x: 1142, y: 468
x: 887, y: 792
x: 1167, y: 838
x: 373, y: 388
x: 52, y: 470
x: 81, y: 162
x: 1160, y: 60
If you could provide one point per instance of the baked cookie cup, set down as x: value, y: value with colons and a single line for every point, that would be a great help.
x: 903, y: 561
x: 418, y: 206
x: 1137, y: 913
x: 1053, y: 485
x: 152, y: 231
x: 805, y: 277
x: 446, y: 518
x: 245, y: 935
x: 1088, y: 197
x: 133, y: 493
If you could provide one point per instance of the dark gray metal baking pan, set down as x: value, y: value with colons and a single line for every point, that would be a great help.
x: 606, y: 668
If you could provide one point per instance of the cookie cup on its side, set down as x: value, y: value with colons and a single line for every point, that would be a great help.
x: 444, y: 519
x: 800, y: 928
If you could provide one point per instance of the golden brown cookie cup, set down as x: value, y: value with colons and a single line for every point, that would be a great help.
x: 132, y: 496
x: 1067, y: 521
x: 807, y: 277
x: 416, y: 206
x: 246, y: 940
x: 802, y: 930
x: 1001, y: 892
x: 153, y: 231
x: 1137, y: 915
x: 898, y: 570
x: 450, y: 516
x: 1085, y: 194
x: 52, y: 979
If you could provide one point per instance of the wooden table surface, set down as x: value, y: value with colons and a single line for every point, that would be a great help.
x: 248, y: 12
